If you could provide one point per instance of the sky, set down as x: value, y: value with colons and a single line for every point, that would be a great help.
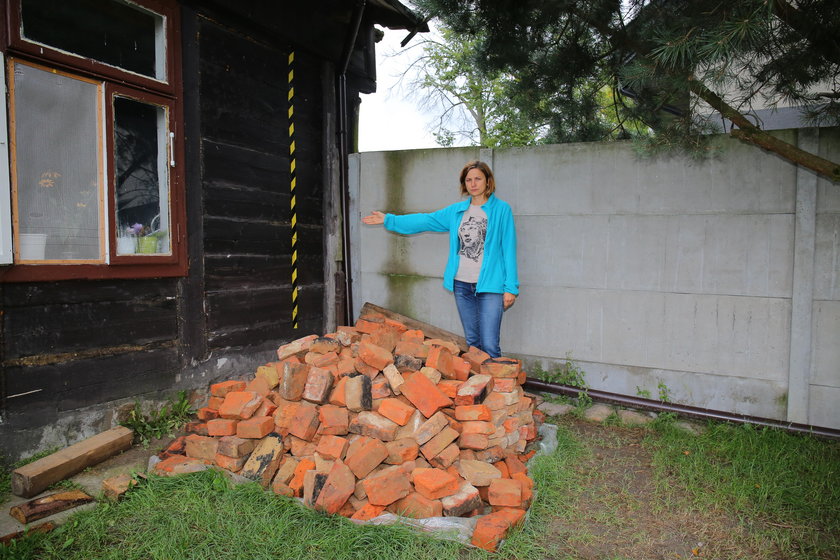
x: 387, y: 120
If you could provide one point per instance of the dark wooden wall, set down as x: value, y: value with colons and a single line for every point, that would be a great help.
x: 74, y: 344
x: 246, y: 188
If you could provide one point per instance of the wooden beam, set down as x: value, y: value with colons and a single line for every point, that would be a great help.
x: 44, y: 527
x: 45, y: 506
x: 429, y: 330
x: 31, y: 479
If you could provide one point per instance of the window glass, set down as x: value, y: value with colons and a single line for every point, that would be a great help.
x: 57, y: 175
x: 109, y: 31
x: 141, y: 177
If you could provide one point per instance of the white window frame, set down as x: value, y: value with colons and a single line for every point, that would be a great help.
x: 6, y: 250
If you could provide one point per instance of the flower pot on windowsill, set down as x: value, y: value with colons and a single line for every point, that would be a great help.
x: 147, y: 245
x: 33, y: 246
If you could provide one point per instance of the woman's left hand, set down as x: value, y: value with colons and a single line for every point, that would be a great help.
x: 508, y: 300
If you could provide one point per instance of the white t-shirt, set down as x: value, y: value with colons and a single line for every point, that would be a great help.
x: 471, y: 234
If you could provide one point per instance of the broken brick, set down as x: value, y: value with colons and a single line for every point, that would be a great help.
x: 478, y: 473
x: 332, y: 447
x: 396, y: 411
x: 223, y: 427
x: 505, y: 492
x: 424, y: 395
x: 501, y: 367
x: 293, y: 381
x: 431, y: 427
x: 401, y: 451
x: 357, y: 392
x: 264, y: 461
x: 374, y: 356
x: 440, y: 358
x: 434, y: 483
x: 466, y: 499
x: 474, y: 390
x: 255, y: 428
x: 240, y: 405
x: 374, y: 425
x: 338, y: 487
x: 476, y: 412
x: 364, y: 455
x: 418, y: 506
x: 387, y: 486
x: 201, y: 447
x: 232, y: 446
x: 225, y: 387
x: 394, y: 377
x: 438, y: 443
x: 333, y: 420
x: 304, y: 423
x: 368, y: 512
x: 492, y: 528
x: 318, y: 385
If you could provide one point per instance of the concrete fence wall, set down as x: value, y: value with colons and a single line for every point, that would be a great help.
x: 719, y: 279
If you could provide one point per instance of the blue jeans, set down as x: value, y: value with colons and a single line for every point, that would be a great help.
x: 481, y: 316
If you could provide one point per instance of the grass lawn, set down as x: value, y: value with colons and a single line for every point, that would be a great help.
x: 609, y: 492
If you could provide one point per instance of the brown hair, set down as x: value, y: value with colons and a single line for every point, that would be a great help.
x: 488, y: 176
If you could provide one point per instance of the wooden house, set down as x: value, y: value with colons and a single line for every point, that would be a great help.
x: 172, y: 207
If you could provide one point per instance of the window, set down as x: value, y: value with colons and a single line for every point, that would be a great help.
x: 93, y: 118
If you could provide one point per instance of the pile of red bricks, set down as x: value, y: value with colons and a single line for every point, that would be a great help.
x: 376, y: 418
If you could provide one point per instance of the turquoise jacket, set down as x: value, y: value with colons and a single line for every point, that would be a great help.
x: 498, y: 272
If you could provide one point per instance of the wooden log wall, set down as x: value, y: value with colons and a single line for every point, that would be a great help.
x: 74, y: 344
x: 245, y: 178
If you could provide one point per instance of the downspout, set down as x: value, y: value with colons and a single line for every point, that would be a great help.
x: 343, y: 154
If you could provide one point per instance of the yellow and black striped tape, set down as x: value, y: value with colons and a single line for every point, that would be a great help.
x: 293, y: 184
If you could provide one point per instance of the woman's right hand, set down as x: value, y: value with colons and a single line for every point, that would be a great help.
x: 375, y: 218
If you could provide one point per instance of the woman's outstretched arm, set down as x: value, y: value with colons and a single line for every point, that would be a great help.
x: 375, y: 218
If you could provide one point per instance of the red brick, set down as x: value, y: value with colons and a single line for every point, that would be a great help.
x: 449, y: 387
x: 505, y: 492
x: 235, y: 447
x: 445, y: 458
x: 361, y: 367
x: 394, y: 377
x: 380, y: 389
x: 201, y: 447
x: 431, y: 427
x: 285, y: 471
x: 255, y: 428
x: 502, y: 468
x: 283, y: 417
x: 453, y: 348
x: 396, y: 411
x: 441, y: 359
x: 438, y: 443
x: 395, y: 325
x: 232, y: 464
x: 267, y: 408
x: 264, y: 461
x: 357, y: 393
x: 411, y: 348
x: 474, y: 412
x: 475, y: 357
x: 304, y: 423
x: 461, y: 368
x: 222, y: 427
x: 527, y: 487
x: 478, y: 473
x: 491, y: 454
x: 501, y: 367
x: 384, y: 337
x: 225, y: 387
x: 434, y: 483
x: 387, y: 486
x: 466, y: 499
x: 300, y: 447
x: 334, y: 420
x: 504, y: 385
x: 318, y: 385
x: 401, y: 451
x: 338, y: 487
x: 364, y: 455
x: 478, y: 427
x: 115, y: 486
x: 215, y: 402
x: 293, y: 381
x: 528, y: 433
x: 332, y: 447
x: 178, y: 464
x: 375, y: 356
x: 474, y: 390
x: 295, y: 347
x: 374, y: 425
x: 325, y: 345
x: 493, y: 527
x: 240, y: 405
x: 338, y: 396
x: 198, y: 428
x: 177, y: 447
x: 296, y: 483
x: 259, y: 386
x: 418, y: 506
x: 270, y: 373
x: 424, y: 395
x: 206, y: 414
x: 368, y: 512
x: 413, y: 335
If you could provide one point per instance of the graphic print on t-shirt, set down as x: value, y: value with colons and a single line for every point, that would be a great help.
x: 472, y: 233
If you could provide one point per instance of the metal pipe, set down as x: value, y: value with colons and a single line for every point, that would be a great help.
x: 681, y: 409
x: 344, y: 152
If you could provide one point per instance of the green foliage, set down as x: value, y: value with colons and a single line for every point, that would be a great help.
x: 568, y: 373
x: 759, y: 473
x: 664, y: 392
x: 644, y: 393
x: 672, y: 67
x: 159, y: 422
x: 6, y: 470
x: 471, y: 103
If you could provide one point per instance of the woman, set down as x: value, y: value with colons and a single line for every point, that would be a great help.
x: 481, y: 269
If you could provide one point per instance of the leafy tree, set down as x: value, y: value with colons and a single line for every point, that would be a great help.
x: 471, y: 103
x: 670, y: 63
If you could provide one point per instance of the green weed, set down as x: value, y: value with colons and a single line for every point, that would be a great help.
x: 664, y: 392
x: 570, y: 374
x: 159, y: 422
x: 789, y: 483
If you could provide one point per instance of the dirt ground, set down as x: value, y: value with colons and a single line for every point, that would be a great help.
x: 616, y: 512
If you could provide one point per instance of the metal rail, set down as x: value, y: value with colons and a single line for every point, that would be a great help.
x: 681, y: 409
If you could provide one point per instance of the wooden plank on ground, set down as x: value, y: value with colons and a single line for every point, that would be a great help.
x: 31, y: 479
x: 44, y: 527
x: 429, y: 330
x: 45, y: 506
